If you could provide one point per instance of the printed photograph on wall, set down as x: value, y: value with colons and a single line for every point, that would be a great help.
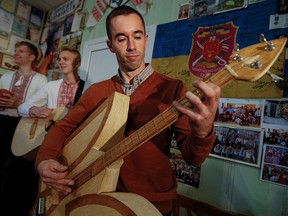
x: 230, y: 5
x: 36, y: 17
x: 275, y: 112
x: 183, y: 172
x: 238, y: 145
x: 7, y: 62
x: 23, y: 10
x: 19, y: 27
x: 183, y: 11
x: 199, y: 8
x: 274, y: 167
x: 276, y: 135
x: 283, y: 6
x: 240, y: 112
x: 68, y: 24
x: 4, y: 40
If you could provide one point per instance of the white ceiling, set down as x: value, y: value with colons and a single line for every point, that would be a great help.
x: 45, y: 5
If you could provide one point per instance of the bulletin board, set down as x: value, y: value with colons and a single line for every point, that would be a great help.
x: 173, y: 43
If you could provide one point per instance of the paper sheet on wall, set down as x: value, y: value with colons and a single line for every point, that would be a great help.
x: 278, y: 21
x: 9, y: 5
x: 4, y: 40
x: 6, y: 20
x: 23, y: 10
x: 76, y: 21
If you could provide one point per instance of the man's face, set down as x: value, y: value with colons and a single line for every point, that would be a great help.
x: 128, y: 42
x: 22, y: 55
x: 66, y: 62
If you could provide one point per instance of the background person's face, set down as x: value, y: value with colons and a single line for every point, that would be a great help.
x: 66, y: 62
x: 22, y: 55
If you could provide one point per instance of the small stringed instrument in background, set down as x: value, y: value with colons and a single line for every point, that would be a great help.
x: 30, y: 133
x: 95, y: 167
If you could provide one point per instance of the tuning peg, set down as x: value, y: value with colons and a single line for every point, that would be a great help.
x: 262, y: 38
x: 282, y: 84
x: 274, y: 77
x: 236, y: 48
x: 238, y: 57
x: 270, y: 46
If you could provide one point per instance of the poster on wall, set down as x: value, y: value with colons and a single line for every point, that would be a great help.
x: 33, y: 34
x: 183, y: 172
x: 75, y: 40
x: 117, y: 3
x: 20, y: 27
x: 23, y: 10
x: 278, y: 21
x: 7, y: 62
x: 65, y: 9
x: 239, y: 145
x: 240, y: 112
x: 275, y: 112
x: 9, y: 5
x: 183, y: 12
x: 4, y: 40
x: 230, y: 5
x: 282, y: 6
x: 274, y: 167
x: 68, y: 25
x: 200, y: 8
x: 36, y: 17
x: 276, y: 135
x: 6, y: 21
x: 72, y: 40
x: 76, y: 24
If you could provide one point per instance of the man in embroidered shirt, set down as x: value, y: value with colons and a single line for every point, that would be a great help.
x: 58, y: 93
x: 22, y: 84
x: 147, y: 170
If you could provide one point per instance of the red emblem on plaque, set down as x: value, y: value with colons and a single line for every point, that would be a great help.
x: 211, y: 48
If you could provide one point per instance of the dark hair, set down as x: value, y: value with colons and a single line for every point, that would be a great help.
x: 121, y: 10
x: 31, y: 48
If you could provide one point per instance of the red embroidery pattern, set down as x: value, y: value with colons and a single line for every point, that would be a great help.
x: 20, y: 85
x: 66, y: 94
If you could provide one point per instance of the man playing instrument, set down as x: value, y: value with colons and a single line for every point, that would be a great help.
x: 147, y: 170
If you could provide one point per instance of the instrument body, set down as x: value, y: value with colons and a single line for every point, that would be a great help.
x: 30, y: 133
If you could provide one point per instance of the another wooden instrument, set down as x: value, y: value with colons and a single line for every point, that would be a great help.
x: 30, y: 133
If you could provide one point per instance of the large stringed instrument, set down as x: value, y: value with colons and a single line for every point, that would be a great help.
x: 30, y: 132
x: 95, y: 167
